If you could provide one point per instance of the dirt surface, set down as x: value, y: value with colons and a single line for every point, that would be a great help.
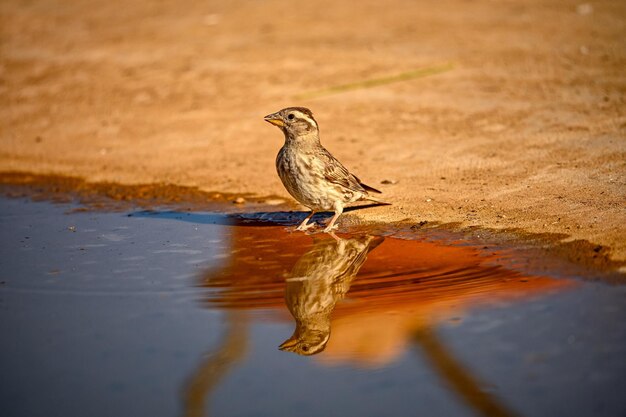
x: 525, y: 127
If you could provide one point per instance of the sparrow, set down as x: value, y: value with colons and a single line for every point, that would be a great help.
x: 310, y: 173
x: 317, y: 282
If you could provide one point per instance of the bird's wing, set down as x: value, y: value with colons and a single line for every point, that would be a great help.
x: 336, y: 173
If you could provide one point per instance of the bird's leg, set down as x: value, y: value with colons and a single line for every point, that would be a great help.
x: 304, y: 225
x: 331, y: 223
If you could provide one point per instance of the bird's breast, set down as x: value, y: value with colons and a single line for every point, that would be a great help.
x: 303, y: 178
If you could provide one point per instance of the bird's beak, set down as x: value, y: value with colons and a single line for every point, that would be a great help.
x: 288, y: 344
x: 274, y: 119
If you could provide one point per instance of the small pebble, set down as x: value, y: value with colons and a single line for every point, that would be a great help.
x: 274, y: 201
x: 389, y: 182
x: 143, y: 97
x: 420, y: 224
x: 494, y: 128
x: 211, y: 19
x: 239, y: 200
x: 584, y: 9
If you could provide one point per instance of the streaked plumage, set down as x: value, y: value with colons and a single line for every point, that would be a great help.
x: 319, y: 279
x: 309, y: 172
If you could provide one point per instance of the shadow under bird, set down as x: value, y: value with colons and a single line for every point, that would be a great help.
x: 310, y: 173
x: 318, y: 280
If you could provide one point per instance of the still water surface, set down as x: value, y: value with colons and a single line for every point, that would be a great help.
x: 196, y: 314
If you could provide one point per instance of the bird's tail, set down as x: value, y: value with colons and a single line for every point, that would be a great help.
x: 375, y: 200
x: 368, y: 197
x: 368, y: 188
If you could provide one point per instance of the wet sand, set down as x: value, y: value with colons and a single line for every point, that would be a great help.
x: 594, y: 259
x: 523, y: 130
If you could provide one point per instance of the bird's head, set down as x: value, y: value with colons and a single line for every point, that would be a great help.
x: 307, y: 344
x: 294, y: 121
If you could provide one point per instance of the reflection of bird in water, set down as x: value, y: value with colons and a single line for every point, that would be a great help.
x: 319, y: 279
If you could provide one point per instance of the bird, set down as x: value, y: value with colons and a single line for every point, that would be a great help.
x: 311, y: 174
x: 320, y: 278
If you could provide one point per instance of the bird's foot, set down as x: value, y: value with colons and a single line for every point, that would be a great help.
x: 330, y: 228
x: 305, y: 227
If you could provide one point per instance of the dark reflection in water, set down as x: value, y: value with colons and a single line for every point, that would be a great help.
x: 216, y: 365
x: 457, y: 377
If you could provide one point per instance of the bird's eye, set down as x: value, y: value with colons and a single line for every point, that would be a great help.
x: 305, y: 348
x: 291, y: 116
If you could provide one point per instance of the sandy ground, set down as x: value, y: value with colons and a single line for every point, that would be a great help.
x: 525, y: 129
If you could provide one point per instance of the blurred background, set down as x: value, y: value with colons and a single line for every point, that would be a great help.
x: 459, y: 110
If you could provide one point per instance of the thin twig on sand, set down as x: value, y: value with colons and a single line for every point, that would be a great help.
x: 375, y: 82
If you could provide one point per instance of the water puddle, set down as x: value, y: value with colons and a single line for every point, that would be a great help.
x: 167, y: 313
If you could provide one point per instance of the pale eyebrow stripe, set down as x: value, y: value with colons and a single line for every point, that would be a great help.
x: 308, y: 119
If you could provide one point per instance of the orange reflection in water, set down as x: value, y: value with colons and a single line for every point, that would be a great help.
x: 371, y: 294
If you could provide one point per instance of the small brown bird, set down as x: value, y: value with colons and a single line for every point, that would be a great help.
x: 309, y: 172
x: 318, y: 281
